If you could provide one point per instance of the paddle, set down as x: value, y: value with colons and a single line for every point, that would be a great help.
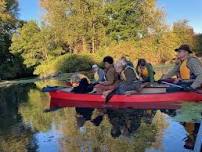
x: 113, y: 92
x: 110, y: 95
x: 172, y: 84
x: 53, y: 88
x: 181, y: 87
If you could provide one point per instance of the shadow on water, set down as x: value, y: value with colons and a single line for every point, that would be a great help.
x: 25, y: 127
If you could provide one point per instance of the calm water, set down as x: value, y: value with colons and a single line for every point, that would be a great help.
x: 24, y: 126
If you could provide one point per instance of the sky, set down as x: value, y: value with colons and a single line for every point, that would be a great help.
x: 175, y: 10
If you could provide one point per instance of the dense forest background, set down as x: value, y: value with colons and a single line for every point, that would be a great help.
x: 73, y: 35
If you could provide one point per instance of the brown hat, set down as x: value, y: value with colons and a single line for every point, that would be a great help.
x: 184, y: 47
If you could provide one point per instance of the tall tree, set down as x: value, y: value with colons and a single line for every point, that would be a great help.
x: 78, y: 24
x: 184, y: 32
x: 28, y: 42
x: 130, y: 19
x: 8, y: 24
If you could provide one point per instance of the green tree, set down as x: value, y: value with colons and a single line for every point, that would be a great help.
x: 198, y: 47
x: 10, y: 66
x: 29, y: 42
x: 78, y: 25
x: 184, y: 32
x: 129, y: 19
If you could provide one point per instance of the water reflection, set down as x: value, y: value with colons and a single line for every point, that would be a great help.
x: 14, y: 135
x: 25, y: 127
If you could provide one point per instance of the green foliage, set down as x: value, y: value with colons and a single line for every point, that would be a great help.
x: 198, y: 39
x: 111, y: 27
x: 32, y: 111
x: 129, y: 19
x: 78, y: 24
x: 24, y: 43
x: 10, y: 66
x: 12, y: 69
x: 184, y: 32
x: 190, y: 112
x: 66, y: 63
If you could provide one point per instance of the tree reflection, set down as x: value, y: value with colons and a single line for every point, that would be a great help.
x: 32, y: 111
x: 14, y: 135
x: 91, y: 137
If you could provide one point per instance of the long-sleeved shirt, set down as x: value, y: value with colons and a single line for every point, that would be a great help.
x: 195, y: 67
x: 99, y: 76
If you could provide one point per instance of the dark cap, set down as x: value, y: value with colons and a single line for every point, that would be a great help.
x: 184, y: 47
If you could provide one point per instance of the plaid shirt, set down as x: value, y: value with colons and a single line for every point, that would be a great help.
x: 195, y: 67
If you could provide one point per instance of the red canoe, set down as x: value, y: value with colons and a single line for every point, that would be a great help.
x: 139, y: 101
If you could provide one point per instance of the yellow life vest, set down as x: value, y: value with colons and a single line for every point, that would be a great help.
x: 189, y: 127
x: 96, y: 76
x: 143, y: 72
x: 184, y: 71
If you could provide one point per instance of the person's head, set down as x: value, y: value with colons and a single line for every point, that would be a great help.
x: 84, y: 82
x: 76, y: 78
x: 80, y: 121
x: 141, y: 63
x: 120, y: 65
x: 108, y: 61
x: 183, y: 51
x: 115, y: 132
x: 95, y: 68
x: 123, y: 58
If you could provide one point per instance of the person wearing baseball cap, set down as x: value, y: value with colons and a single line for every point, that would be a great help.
x: 188, y: 69
x: 99, y: 74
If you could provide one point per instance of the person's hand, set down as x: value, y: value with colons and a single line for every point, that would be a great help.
x: 177, y: 80
x: 162, y: 77
x: 101, y: 83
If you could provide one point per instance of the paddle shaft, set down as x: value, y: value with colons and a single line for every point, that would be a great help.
x: 172, y: 84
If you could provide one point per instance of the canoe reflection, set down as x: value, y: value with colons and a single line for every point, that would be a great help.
x: 123, y: 121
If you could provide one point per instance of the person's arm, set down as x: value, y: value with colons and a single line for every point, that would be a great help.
x: 110, y: 77
x: 101, y: 75
x: 151, y: 73
x: 174, y: 71
x: 195, y: 67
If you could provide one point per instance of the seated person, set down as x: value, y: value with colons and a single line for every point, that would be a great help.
x: 187, y: 68
x: 111, y: 76
x: 99, y: 74
x: 83, y: 87
x: 128, y: 78
x: 145, y: 70
x: 127, y: 60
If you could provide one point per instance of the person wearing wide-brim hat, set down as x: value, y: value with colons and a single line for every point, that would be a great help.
x: 188, y: 68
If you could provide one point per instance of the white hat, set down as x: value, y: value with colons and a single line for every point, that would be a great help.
x: 94, y: 66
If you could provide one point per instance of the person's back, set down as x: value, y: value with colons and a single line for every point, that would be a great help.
x: 129, y: 80
x: 128, y: 75
x: 84, y: 87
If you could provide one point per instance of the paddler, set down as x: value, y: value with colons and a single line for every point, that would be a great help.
x: 145, y: 70
x: 127, y: 60
x: 187, y: 69
x: 99, y: 74
x: 129, y: 79
x: 111, y: 76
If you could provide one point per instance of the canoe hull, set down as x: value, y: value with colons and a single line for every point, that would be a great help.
x: 139, y: 101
